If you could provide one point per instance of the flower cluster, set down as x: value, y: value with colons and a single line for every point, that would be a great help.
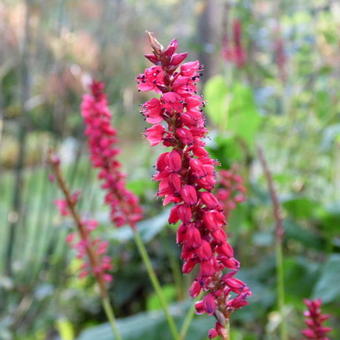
x: 92, y: 251
x: 124, y: 205
x: 231, y: 190
x: 62, y: 205
x: 233, y: 50
x: 186, y: 177
x: 99, y: 247
x: 314, y: 320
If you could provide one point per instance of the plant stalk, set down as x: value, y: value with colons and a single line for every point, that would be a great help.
x: 187, y: 322
x: 111, y: 317
x: 280, y: 289
x: 227, y: 327
x: 279, y: 234
x: 92, y: 256
x: 155, y: 283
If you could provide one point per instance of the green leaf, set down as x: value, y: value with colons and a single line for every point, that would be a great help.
x: 244, y: 119
x: 226, y: 149
x: 169, y: 292
x: 330, y: 219
x: 328, y: 287
x: 232, y: 108
x: 299, y: 275
x: 216, y: 95
x: 151, y: 326
x: 301, y: 207
x: 298, y: 233
x: 148, y: 228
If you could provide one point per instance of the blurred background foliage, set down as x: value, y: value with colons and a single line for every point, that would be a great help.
x: 280, y: 92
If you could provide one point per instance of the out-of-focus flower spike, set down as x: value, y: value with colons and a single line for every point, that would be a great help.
x: 314, y: 321
x: 102, y: 144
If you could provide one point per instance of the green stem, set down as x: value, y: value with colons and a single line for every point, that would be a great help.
x: 279, y: 234
x: 227, y: 327
x: 187, y: 322
x: 111, y: 317
x: 177, y: 277
x: 155, y: 284
x: 176, y: 271
x: 280, y: 288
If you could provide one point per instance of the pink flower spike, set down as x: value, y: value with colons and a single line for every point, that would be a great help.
x: 102, y: 144
x: 314, y: 321
x: 186, y: 176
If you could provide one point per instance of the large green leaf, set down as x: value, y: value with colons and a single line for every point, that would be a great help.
x: 232, y: 107
x: 244, y: 119
x: 217, y: 97
x: 151, y: 326
x: 300, y: 274
x: 329, y: 218
x: 328, y: 287
x: 303, y: 235
x: 301, y: 207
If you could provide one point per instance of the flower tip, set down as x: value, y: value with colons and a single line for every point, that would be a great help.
x: 154, y: 43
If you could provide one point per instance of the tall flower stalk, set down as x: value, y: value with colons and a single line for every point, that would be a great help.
x: 91, y: 251
x: 279, y: 234
x: 314, y: 320
x: 186, y: 176
x: 124, y: 205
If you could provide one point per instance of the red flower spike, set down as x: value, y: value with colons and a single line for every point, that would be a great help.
x: 314, y: 320
x: 124, y: 205
x: 188, y: 167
